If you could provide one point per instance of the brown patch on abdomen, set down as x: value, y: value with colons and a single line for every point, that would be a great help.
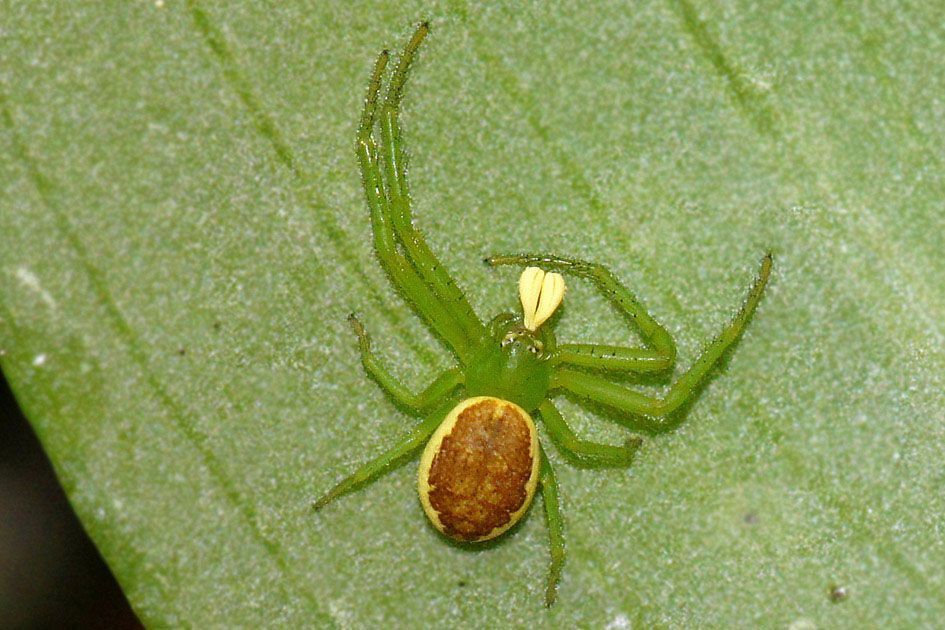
x: 479, y: 474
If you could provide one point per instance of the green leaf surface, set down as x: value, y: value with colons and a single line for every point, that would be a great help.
x: 182, y: 234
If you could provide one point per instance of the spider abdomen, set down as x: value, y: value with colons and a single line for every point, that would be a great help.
x: 479, y: 470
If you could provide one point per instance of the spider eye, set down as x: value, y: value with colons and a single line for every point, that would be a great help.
x: 506, y: 342
x: 534, y: 349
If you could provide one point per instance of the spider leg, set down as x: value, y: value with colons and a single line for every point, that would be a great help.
x: 549, y: 495
x: 404, y: 276
x: 394, y: 160
x: 420, y: 403
x: 583, y: 451
x: 620, y: 398
x: 597, y: 356
x: 659, y: 356
x: 386, y: 461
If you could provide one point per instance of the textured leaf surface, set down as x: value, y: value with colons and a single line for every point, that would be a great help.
x: 182, y: 234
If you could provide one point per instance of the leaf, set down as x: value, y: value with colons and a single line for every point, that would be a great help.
x: 182, y: 235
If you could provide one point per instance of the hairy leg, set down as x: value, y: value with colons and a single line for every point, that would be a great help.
x: 420, y: 403
x: 405, y: 447
x: 402, y: 273
x: 394, y: 160
x: 658, y: 357
x: 583, y: 451
x: 620, y: 398
x: 549, y: 495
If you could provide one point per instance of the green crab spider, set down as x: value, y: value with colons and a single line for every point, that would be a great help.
x: 483, y: 462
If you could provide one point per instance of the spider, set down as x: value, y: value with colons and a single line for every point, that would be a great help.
x: 483, y: 461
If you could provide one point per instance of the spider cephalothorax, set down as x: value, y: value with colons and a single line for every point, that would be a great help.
x: 483, y: 462
x: 511, y: 362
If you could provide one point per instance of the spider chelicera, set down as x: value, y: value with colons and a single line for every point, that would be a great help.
x: 483, y: 462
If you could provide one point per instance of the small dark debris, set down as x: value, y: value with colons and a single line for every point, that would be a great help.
x: 182, y: 351
x: 751, y: 518
x: 838, y: 593
x: 461, y: 583
x: 217, y: 326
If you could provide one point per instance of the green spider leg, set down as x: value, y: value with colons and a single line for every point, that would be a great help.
x: 655, y: 410
x: 394, y: 160
x: 549, y: 495
x: 404, y: 449
x: 658, y: 357
x: 583, y: 451
x: 416, y: 403
x: 402, y: 273
x: 418, y: 275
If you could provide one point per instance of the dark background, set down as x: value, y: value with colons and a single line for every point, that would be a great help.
x: 50, y: 573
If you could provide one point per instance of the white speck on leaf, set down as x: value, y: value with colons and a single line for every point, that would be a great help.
x: 30, y: 280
